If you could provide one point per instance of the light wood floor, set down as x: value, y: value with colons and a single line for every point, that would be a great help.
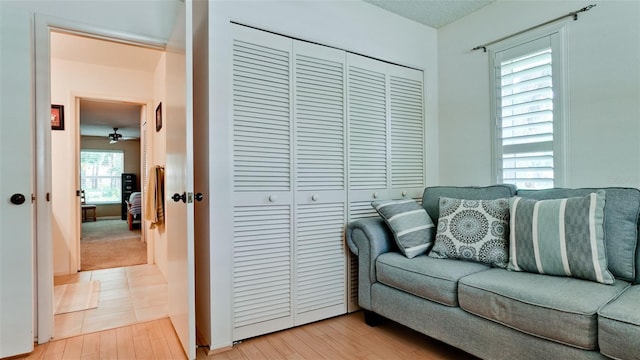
x: 343, y: 337
x: 151, y: 340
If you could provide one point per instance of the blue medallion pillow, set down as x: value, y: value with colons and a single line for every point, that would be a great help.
x: 473, y: 230
x: 562, y: 237
x: 412, y: 228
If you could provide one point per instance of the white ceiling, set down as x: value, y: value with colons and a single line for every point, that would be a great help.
x: 433, y: 13
x: 98, y: 118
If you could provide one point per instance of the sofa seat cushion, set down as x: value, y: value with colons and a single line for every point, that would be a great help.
x: 619, y: 326
x: 559, y: 309
x: 424, y: 276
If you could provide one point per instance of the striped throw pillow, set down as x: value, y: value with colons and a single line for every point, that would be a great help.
x: 412, y: 228
x: 562, y: 237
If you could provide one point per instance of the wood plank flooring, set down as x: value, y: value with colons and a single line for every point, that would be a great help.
x: 343, y: 337
x: 150, y: 340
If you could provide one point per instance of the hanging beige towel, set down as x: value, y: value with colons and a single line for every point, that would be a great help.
x: 155, y: 201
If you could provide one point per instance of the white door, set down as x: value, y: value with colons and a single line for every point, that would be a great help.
x: 16, y: 185
x: 178, y: 119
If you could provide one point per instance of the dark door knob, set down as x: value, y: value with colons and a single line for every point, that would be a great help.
x: 17, y: 199
x: 177, y: 197
x: 198, y: 197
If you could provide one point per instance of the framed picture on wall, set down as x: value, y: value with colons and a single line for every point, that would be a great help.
x: 57, y: 117
x: 159, y: 117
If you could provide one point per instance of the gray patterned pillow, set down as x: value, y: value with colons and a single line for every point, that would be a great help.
x: 412, y: 228
x: 473, y: 230
x: 563, y: 237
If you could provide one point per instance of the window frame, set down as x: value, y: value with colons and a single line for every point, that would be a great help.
x: 120, y: 151
x: 556, y: 33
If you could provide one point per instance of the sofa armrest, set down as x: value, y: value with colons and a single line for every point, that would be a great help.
x: 368, y: 238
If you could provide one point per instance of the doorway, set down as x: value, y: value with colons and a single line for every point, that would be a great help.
x: 110, y: 178
x: 107, y: 91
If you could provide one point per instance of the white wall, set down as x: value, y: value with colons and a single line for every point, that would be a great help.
x: 157, y: 156
x: 146, y: 19
x: 70, y: 80
x: 349, y: 25
x: 603, y: 90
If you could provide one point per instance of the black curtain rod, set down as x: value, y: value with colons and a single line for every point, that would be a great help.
x: 573, y: 14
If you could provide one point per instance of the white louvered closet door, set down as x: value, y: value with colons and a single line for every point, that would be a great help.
x: 386, y: 140
x: 367, y: 132
x: 320, y: 180
x: 317, y: 135
x: 263, y: 183
x: 368, y: 153
x: 407, y: 136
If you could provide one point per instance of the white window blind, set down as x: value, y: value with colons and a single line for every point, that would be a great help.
x: 526, y: 116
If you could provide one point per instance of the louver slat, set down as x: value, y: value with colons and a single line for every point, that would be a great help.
x: 319, y: 111
x: 320, y: 255
x: 262, y: 258
x: 361, y: 210
x: 407, y: 132
x: 261, y: 112
x: 367, y: 129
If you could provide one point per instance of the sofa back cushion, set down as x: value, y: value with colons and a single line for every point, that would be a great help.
x: 563, y: 237
x: 621, y: 211
x: 432, y: 195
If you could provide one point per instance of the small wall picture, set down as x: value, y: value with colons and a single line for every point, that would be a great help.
x: 57, y: 117
x: 159, y: 117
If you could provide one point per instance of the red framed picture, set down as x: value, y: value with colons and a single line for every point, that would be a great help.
x: 57, y: 117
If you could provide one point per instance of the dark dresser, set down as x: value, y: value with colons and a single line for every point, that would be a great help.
x: 128, y: 186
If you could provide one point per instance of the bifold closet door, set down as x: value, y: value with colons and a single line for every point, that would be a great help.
x: 289, y: 160
x: 317, y: 135
x: 320, y: 182
x: 368, y: 152
x: 386, y: 140
x: 263, y: 183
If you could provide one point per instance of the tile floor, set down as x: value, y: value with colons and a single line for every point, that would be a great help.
x: 128, y: 295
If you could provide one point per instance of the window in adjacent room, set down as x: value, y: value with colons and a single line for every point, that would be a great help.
x: 101, y: 174
x: 528, y: 118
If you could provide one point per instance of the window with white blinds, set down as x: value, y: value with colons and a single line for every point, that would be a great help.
x: 527, y: 117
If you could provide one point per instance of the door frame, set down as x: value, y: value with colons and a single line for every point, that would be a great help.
x: 43, y: 257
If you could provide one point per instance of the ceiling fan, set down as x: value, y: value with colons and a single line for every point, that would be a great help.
x: 115, y: 136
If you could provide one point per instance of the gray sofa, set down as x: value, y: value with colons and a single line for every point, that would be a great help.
x: 495, y: 313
